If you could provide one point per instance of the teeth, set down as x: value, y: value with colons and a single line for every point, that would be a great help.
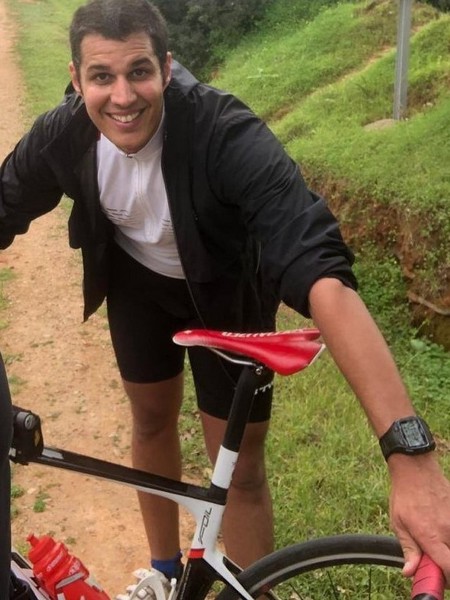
x: 125, y: 118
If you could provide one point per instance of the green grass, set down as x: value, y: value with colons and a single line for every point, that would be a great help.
x: 6, y: 275
x: 319, y: 81
x: 325, y: 466
x: 314, y: 467
x: 321, y: 84
x: 43, y: 48
x: 40, y: 502
x: 423, y: 180
x: 276, y: 71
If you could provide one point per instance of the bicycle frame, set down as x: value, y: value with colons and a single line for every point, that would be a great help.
x: 205, y: 564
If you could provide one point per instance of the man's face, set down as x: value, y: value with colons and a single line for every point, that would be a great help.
x: 122, y: 86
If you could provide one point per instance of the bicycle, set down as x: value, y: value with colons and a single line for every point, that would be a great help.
x: 340, y: 566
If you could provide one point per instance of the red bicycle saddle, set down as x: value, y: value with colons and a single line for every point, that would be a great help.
x: 285, y: 352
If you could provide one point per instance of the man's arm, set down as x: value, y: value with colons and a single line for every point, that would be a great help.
x: 29, y: 187
x: 420, y: 496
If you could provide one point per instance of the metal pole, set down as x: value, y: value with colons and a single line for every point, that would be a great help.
x: 401, y: 66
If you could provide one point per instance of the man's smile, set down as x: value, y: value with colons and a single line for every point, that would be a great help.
x: 128, y: 118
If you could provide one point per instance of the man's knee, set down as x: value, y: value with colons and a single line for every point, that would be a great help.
x: 249, y: 476
x: 153, y: 427
x: 152, y: 421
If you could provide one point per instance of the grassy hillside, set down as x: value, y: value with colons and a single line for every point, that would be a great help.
x: 326, y: 88
x: 319, y: 83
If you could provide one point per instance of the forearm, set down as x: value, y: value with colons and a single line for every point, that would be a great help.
x: 361, y: 353
x: 420, y: 495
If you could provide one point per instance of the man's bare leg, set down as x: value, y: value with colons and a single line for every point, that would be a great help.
x: 156, y: 448
x: 248, y: 520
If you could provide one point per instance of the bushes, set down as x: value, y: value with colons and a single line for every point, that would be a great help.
x: 443, y: 5
x: 201, y: 30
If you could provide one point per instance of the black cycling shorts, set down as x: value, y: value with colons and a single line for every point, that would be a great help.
x: 145, y: 309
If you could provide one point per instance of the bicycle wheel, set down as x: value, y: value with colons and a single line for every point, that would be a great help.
x: 345, y: 567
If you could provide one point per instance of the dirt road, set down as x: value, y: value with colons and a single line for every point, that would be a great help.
x: 65, y: 371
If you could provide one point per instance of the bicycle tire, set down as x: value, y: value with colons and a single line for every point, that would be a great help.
x: 345, y: 567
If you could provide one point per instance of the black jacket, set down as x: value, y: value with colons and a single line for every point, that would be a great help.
x: 249, y: 233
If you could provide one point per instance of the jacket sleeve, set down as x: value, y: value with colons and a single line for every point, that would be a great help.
x: 28, y: 188
x: 299, y: 237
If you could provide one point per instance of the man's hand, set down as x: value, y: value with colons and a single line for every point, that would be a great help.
x: 420, y: 510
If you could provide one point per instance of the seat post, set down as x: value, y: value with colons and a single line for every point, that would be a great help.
x: 248, y: 382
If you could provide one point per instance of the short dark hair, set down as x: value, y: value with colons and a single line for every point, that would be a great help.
x: 116, y: 20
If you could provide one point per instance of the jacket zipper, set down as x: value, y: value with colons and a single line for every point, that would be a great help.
x: 183, y: 267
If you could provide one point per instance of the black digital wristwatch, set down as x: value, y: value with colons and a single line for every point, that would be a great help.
x: 410, y: 435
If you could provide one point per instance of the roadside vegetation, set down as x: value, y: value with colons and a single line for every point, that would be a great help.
x: 326, y: 89
x: 321, y: 81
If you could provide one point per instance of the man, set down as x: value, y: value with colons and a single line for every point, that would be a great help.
x: 189, y: 213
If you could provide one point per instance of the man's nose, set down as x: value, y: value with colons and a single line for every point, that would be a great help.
x: 122, y: 93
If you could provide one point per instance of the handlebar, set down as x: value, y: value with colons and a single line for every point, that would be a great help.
x: 428, y: 582
x: 27, y: 442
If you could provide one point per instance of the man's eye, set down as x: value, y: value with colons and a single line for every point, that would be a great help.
x: 102, y: 77
x: 140, y: 73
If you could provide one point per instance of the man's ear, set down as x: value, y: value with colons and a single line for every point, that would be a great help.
x: 75, y: 78
x: 167, y: 70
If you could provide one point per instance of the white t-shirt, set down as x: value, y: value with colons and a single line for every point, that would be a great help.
x: 133, y: 196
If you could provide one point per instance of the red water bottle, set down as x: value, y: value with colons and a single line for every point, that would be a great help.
x: 61, y: 575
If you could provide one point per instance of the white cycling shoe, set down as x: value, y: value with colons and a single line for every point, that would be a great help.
x: 151, y: 585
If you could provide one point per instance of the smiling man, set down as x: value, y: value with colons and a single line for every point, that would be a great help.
x: 189, y: 213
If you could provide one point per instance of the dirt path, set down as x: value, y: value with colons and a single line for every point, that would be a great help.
x: 65, y: 371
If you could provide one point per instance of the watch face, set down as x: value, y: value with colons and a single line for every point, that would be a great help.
x: 409, y: 435
x: 413, y: 433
